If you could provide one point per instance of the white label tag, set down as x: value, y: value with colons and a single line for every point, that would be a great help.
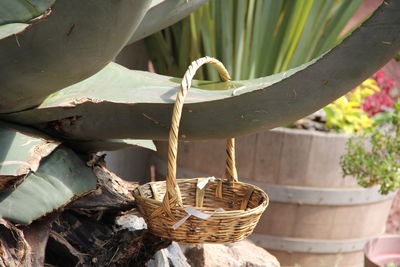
x: 180, y: 222
x: 204, y: 182
x: 196, y: 213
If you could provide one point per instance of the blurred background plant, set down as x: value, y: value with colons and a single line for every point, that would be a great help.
x: 374, y: 157
x: 243, y: 34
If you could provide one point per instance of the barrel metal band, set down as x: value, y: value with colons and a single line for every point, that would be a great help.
x: 301, y: 194
x: 309, y: 245
x: 322, y: 196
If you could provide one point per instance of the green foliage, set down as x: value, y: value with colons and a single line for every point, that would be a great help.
x: 253, y: 38
x: 374, y: 157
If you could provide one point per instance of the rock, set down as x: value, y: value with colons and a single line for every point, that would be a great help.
x: 172, y: 256
x: 239, y: 254
x: 159, y: 260
x: 175, y: 256
x: 131, y: 222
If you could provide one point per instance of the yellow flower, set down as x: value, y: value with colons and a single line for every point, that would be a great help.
x: 346, y: 114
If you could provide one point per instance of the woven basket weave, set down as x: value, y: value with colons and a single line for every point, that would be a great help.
x: 235, y: 207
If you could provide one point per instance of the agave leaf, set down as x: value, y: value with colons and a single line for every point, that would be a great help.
x: 61, y: 177
x: 72, y: 42
x: 21, y: 152
x: 119, y: 103
x: 155, y: 2
x: 109, y: 145
x: 22, y: 10
x: 163, y: 14
x: 22, y: 149
x: 10, y: 29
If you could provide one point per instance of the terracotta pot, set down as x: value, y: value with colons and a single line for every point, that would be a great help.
x: 316, y: 217
x: 382, y: 251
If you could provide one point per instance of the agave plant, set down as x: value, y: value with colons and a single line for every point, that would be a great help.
x: 62, y: 98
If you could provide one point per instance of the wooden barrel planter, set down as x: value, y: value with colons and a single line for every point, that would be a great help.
x: 316, y: 217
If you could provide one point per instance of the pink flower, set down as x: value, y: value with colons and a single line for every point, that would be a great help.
x: 380, y: 101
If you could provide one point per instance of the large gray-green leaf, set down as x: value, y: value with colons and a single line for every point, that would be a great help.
x: 22, y: 10
x: 118, y: 103
x: 61, y: 177
x: 164, y: 14
x: 109, y: 145
x: 22, y: 149
x: 75, y: 40
x: 10, y: 29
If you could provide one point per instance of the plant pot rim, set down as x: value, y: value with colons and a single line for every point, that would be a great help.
x: 385, y: 247
x: 308, y: 132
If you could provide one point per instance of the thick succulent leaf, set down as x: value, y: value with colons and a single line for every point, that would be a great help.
x: 22, y: 149
x: 11, y: 29
x: 61, y: 177
x: 22, y: 10
x: 109, y: 145
x: 163, y: 14
x: 74, y: 41
x: 119, y: 103
x: 156, y: 2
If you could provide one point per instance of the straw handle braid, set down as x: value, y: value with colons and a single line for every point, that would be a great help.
x: 230, y: 170
x: 172, y: 195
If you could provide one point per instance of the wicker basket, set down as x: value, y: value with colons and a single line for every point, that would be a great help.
x: 200, y: 210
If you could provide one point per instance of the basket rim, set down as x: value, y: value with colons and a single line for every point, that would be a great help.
x: 264, y: 204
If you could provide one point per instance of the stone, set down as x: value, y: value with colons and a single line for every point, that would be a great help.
x: 239, y: 254
x: 159, y: 260
x: 175, y: 256
x: 172, y: 256
x: 131, y: 222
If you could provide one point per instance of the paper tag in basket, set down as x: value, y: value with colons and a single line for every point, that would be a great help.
x: 204, y: 182
x: 196, y: 213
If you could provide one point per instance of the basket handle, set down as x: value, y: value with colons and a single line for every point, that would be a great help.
x: 173, y: 195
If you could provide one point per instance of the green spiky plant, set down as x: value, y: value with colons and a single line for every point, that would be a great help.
x: 61, y: 98
x: 254, y: 38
